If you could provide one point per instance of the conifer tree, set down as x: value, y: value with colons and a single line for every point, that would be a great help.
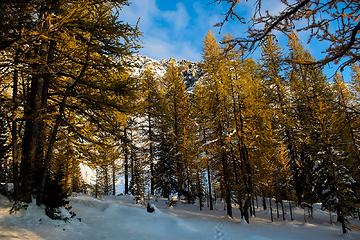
x: 201, y: 117
x: 282, y: 120
x: 217, y: 97
x: 150, y: 110
x: 75, y: 60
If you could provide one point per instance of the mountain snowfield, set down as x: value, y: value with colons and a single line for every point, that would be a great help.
x: 191, y: 71
x: 119, y: 218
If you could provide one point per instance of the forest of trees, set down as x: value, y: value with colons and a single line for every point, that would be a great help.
x: 64, y: 88
x: 273, y: 128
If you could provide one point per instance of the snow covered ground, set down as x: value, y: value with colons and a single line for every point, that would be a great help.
x: 120, y: 218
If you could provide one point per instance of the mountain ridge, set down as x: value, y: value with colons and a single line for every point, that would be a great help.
x: 191, y: 71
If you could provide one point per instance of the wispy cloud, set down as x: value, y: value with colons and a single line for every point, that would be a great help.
x: 176, y: 31
x: 177, y: 28
x: 179, y: 18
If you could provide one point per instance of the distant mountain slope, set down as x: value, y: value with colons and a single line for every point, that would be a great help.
x: 191, y: 71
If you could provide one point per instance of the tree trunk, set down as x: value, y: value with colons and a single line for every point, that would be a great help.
x: 282, y: 209
x: 199, y: 190
x: 32, y: 136
x: 106, y: 180
x: 246, y: 209
x: 210, y: 189
x: 264, y: 202
x: 241, y: 208
x: 151, y: 153
x: 96, y: 184
x: 226, y: 180
x: 188, y: 185
x: 330, y: 215
x: 251, y: 209
x: 15, y: 160
x: 67, y: 176
x: 126, y: 164
x: 290, y: 208
x: 271, y: 212
x: 341, y: 219
x: 208, y: 174
x: 253, y: 206
x: 113, y: 168
x: 52, y: 140
x: 132, y: 172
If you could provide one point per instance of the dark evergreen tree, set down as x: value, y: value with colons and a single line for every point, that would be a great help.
x: 4, y: 149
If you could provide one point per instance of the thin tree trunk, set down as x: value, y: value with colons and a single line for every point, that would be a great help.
x: 15, y: 164
x: 126, y: 164
x: 253, y: 206
x: 188, y: 185
x: 341, y: 219
x: 250, y: 206
x: 271, y: 212
x: 96, y: 184
x: 67, y: 176
x: 246, y: 209
x: 199, y: 190
x: 132, y: 172
x: 106, y: 180
x: 151, y: 151
x: 244, y: 157
x: 290, y: 208
x: 210, y: 189
x: 282, y: 209
x: 330, y: 214
x: 226, y: 181
x: 264, y: 202
x: 113, y: 178
x: 241, y: 208
x: 208, y: 175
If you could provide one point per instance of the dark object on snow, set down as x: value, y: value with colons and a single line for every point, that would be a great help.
x: 150, y: 208
x: 172, y: 202
x: 309, y: 208
x: 53, y: 213
x: 305, y: 205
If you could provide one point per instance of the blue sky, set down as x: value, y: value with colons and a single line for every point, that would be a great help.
x: 173, y: 28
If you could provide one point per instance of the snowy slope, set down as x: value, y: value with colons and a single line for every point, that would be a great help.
x: 191, y: 71
x: 119, y: 218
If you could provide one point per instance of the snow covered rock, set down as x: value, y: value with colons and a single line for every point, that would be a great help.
x: 150, y: 208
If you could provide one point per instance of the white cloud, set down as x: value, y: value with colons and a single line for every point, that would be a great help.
x: 162, y: 49
x: 178, y: 18
x: 176, y: 32
x: 143, y: 9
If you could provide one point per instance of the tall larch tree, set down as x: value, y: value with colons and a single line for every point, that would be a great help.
x: 213, y: 82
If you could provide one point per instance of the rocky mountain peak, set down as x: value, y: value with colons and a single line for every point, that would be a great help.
x: 191, y: 71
